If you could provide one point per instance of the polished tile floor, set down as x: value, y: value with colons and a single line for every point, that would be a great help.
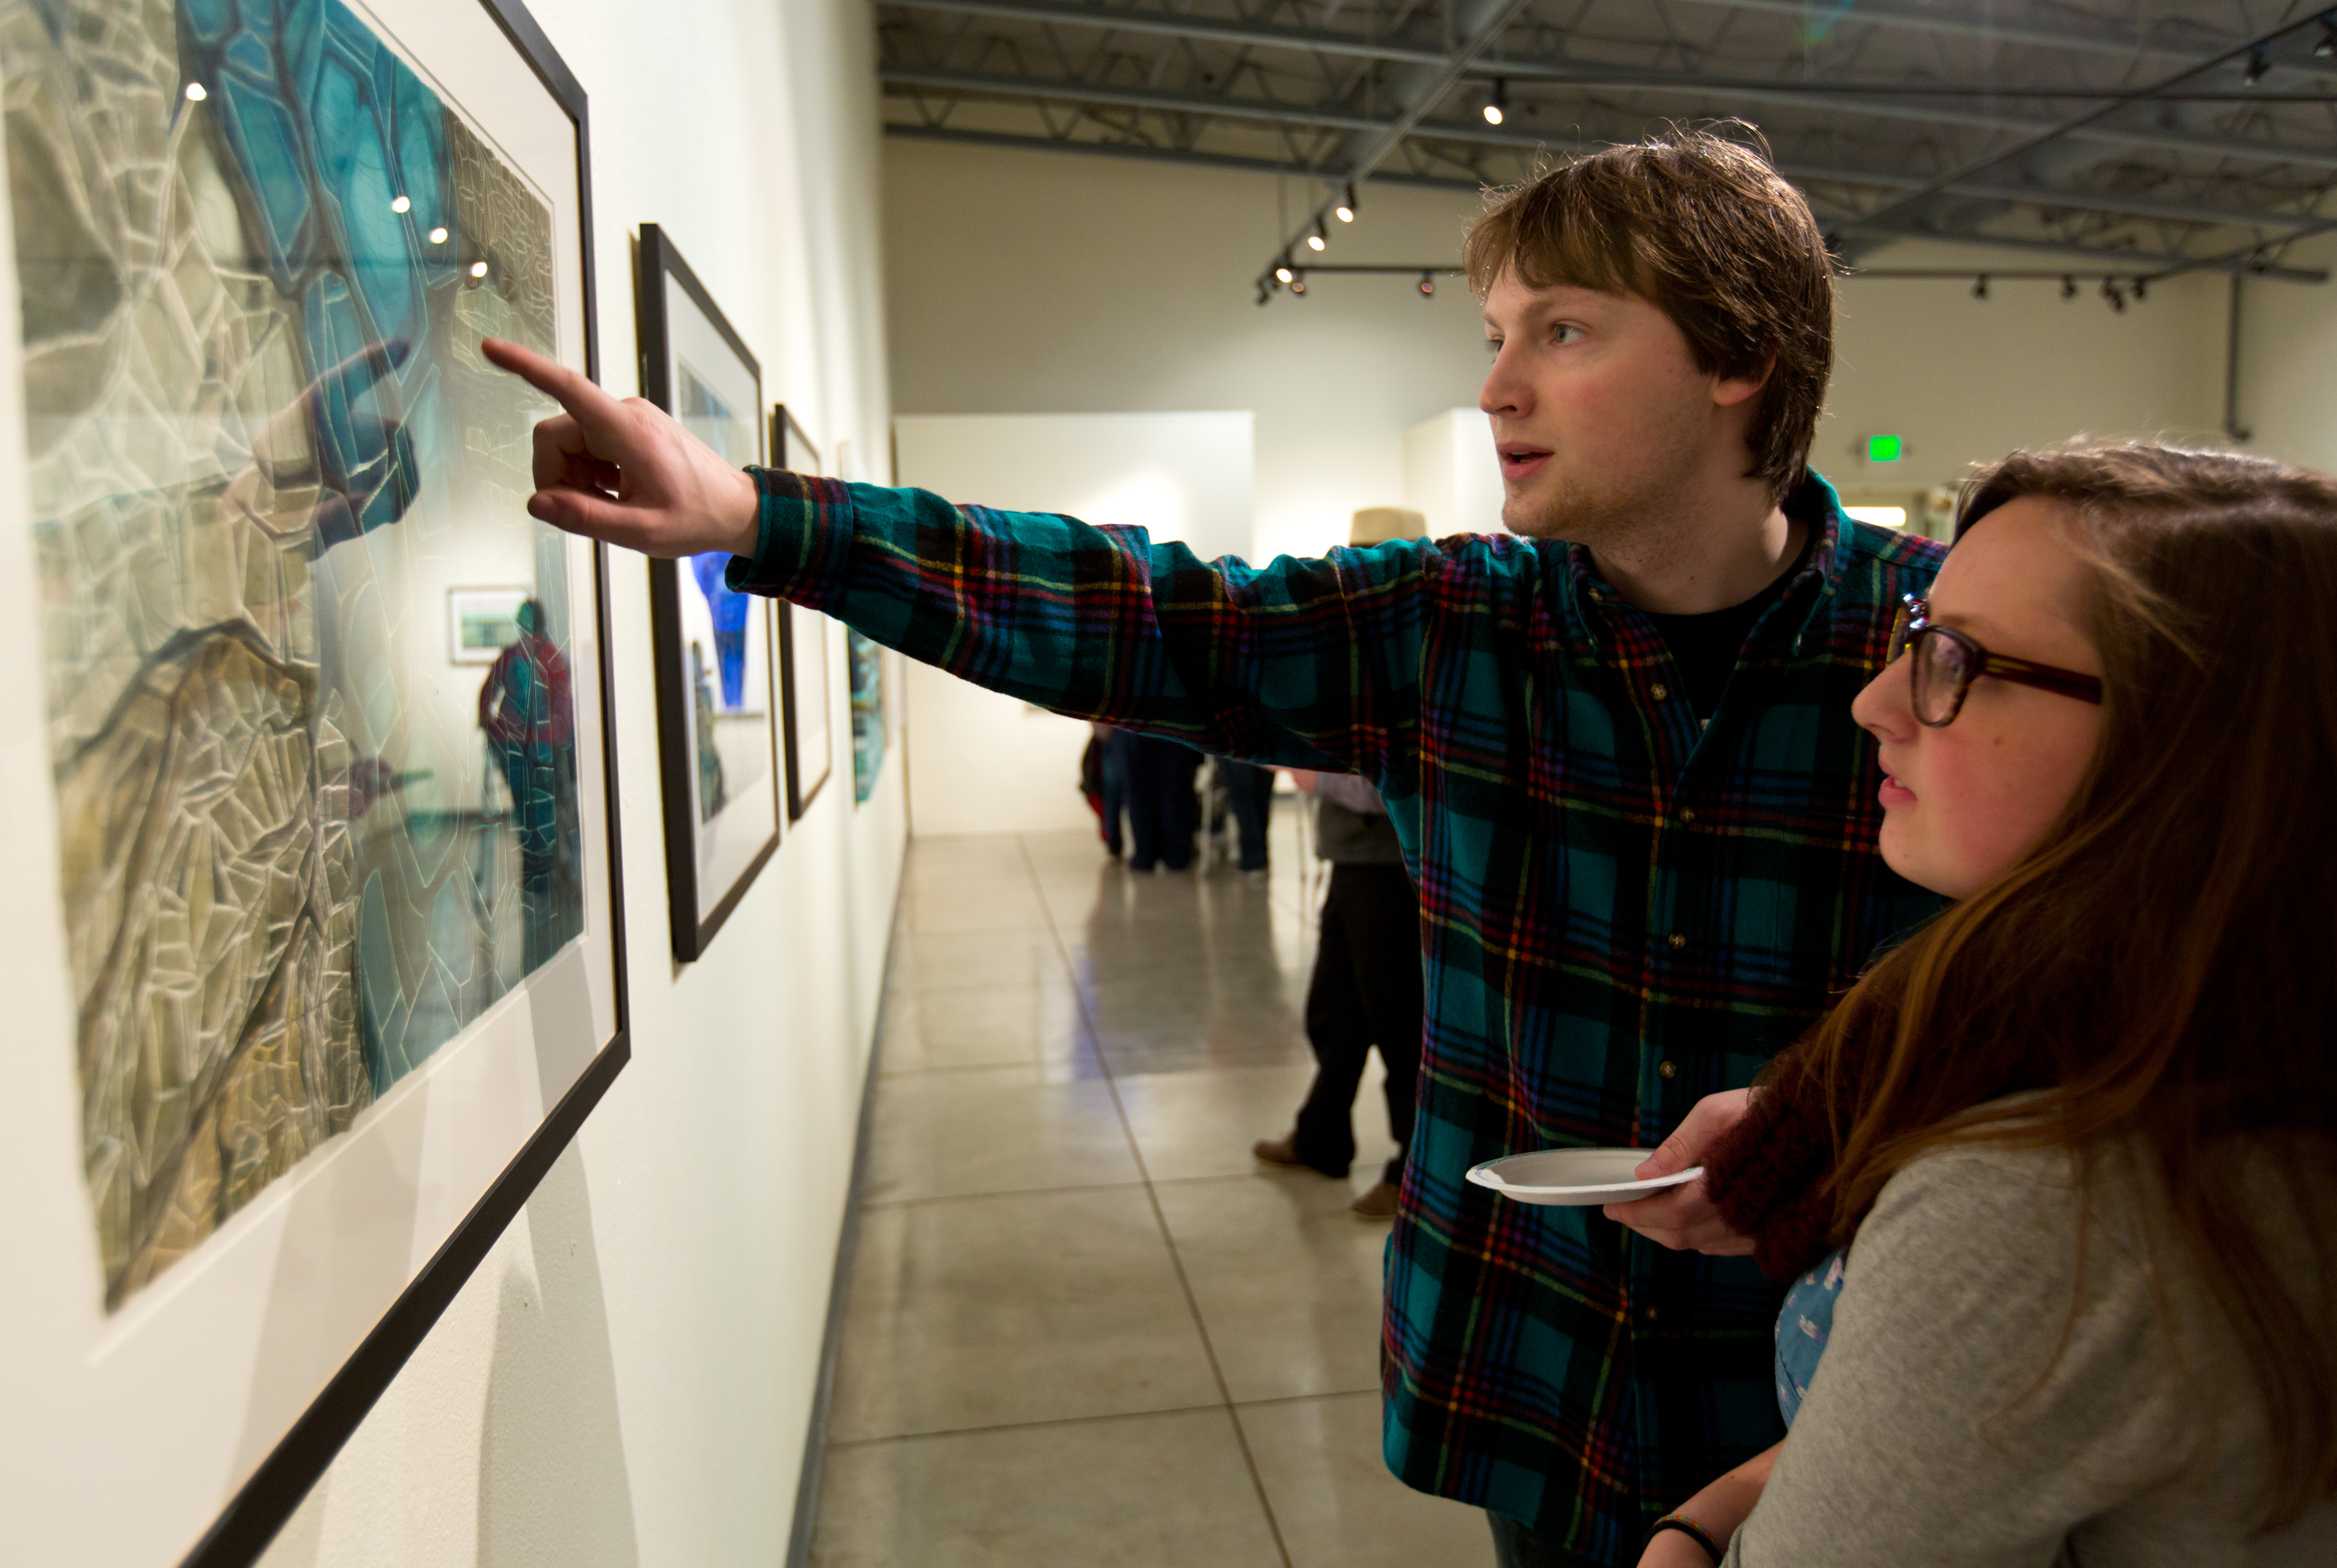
x: 1084, y: 1326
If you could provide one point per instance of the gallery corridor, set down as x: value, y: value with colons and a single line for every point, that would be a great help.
x: 1083, y: 1324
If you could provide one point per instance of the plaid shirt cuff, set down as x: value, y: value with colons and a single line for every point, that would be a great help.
x: 802, y: 539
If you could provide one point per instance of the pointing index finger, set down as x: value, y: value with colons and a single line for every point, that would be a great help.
x: 594, y: 409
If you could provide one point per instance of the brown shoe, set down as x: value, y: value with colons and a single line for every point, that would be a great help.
x: 1283, y: 1152
x: 1379, y: 1203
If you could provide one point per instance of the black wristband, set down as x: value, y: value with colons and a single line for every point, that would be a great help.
x: 1692, y: 1530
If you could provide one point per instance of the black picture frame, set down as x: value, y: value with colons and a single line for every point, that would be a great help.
x: 792, y: 448
x: 694, y: 923
x: 258, y: 1511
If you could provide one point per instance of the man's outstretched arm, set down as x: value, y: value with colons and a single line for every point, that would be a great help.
x: 1303, y: 662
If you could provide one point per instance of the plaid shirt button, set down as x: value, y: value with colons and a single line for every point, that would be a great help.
x: 1669, y: 1069
x: 1687, y: 814
x: 1679, y: 939
x: 1659, y: 691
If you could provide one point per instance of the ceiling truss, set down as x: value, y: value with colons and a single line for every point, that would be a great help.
x: 2156, y: 134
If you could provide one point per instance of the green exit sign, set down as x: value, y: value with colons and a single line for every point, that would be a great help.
x: 1885, y: 448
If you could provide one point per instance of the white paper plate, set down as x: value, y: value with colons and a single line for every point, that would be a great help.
x: 1576, y: 1178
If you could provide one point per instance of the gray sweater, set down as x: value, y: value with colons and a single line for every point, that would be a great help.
x: 1915, y: 1446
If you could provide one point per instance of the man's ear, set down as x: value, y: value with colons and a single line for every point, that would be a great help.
x: 1728, y: 390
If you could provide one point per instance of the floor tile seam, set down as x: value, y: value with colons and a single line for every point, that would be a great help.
x: 1002, y: 1193
x: 1262, y: 1171
x: 1041, y: 1425
x: 951, y: 1068
x: 1273, y: 1399
x: 1175, y: 1259
x: 957, y: 1068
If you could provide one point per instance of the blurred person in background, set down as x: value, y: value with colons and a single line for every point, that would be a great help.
x: 1365, y: 991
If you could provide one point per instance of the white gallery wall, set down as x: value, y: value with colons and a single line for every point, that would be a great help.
x: 627, y: 1378
x: 1451, y: 473
x: 1043, y: 282
x: 991, y: 763
x: 2288, y: 362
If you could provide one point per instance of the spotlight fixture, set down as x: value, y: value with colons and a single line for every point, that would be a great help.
x: 1316, y: 240
x: 1347, y: 208
x: 478, y: 269
x: 1282, y: 273
x: 1298, y: 284
x: 1496, y: 104
x: 2069, y: 288
x: 1427, y: 286
x: 1261, y: 291
x: 1979, y: 287
x: 2259, y: 63
x: 401, y: 204
x: 438, y: 237
x: 2141, y: 289
x: 2327, y: 43
x: 196, y: 92
x: 2114, y: 294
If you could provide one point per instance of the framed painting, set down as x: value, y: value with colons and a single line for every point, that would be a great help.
x: 481, y: 622
x: 805, y: 678
x: 865, y: 658
x: 308, y: 925
x: 718, y: 713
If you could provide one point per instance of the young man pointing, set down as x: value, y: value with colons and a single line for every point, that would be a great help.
x: 1616, y: 749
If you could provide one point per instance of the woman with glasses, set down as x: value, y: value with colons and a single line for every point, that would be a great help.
x: 2055, y: 1182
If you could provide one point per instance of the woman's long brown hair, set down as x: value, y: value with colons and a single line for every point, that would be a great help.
x: 2162, y: 970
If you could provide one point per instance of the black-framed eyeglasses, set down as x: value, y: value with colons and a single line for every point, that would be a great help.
x: 1947, y: 662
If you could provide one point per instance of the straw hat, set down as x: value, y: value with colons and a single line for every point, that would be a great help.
x: 1378, y: 524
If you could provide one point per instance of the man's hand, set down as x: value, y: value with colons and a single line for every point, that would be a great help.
x: 628, y: 472
x: 1684, y: 1217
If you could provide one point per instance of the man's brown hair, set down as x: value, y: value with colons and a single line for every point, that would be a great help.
x: 1702, y: 227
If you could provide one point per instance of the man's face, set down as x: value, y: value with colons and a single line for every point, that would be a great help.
x: 1599, y: 410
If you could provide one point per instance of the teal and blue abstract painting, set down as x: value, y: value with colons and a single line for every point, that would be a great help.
x: 303, y: 845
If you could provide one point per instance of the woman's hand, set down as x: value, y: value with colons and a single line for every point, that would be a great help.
x: 1685, y: 1217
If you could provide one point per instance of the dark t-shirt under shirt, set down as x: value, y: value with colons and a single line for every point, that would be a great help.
x: 1704, y: 647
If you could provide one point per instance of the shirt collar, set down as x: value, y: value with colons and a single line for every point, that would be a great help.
x: 1814, y: 501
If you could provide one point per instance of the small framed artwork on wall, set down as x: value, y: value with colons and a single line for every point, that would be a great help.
x: 481, y: 622
x: 718, y: 713
x: 805, y: 678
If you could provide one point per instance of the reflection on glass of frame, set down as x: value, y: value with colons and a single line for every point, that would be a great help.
x: 481, y: 622
x: 262, y: 442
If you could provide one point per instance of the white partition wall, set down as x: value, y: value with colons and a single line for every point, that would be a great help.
x: 989, y: 763
x: 1451, y: 475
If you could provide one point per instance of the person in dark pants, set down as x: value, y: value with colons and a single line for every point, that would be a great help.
x: 1249, y: 795
x: 1161, y: 811
x: 1103, y: 779
x: 1365, y: 991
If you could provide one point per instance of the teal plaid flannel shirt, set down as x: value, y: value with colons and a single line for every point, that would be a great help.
x: 1621, y: 911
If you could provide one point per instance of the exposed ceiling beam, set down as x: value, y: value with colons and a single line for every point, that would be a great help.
x: 1141, y: 153
x: 1974, y: 21
x: 1171, y: 24
x: 1329, y: 41
x: 1592, y: 77
x: 1419, y: 90
x: 1161, y: 101
x: 1942, y: 184
x: 2126, y: 260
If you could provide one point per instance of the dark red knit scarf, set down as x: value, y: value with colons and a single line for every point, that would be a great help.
x: 1771, y: 1175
